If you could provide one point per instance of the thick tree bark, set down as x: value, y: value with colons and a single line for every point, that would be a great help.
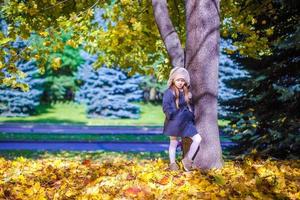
x: 202, y: 60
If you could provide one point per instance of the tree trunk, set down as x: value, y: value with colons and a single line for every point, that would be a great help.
x: 152, y: 93
x: 202, y: 60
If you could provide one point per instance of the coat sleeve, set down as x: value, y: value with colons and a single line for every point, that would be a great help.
x: 168, y: 105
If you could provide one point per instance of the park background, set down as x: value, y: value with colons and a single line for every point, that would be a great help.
x: 65, y: 86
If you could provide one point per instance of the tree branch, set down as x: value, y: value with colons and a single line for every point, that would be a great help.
x: 168, y: 33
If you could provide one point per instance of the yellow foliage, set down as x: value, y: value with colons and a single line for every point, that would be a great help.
x: 72, y: 43
x: 132, y: 38
x: 56, y: 63
x: 120, y: 178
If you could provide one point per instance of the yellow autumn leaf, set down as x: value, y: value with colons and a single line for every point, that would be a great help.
x: 5, y: 40
x: 125, y: 2
x: 269, y: 31
x: 132, y: 20
x: 72, y: 43
x: 137, y: 26
x: 56, y: 63
x: 46, y: 43
x: 44, y: 33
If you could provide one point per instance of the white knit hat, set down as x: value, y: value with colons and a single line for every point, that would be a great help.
x: 179, y: 72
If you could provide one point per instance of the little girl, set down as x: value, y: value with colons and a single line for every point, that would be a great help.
x: 180, y: 119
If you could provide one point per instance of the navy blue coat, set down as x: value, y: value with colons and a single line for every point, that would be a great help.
x: 178, y: 122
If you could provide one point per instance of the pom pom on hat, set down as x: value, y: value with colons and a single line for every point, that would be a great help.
x: 179, y: 72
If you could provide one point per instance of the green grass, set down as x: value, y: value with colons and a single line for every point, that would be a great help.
x: 87, y: 137
x: 72, y: 113
x: 82, y: 137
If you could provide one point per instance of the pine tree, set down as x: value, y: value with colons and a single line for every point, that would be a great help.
x: 15, y: 102
x: 107, y: 92
x: 265, y: 120
x: 229, y: 69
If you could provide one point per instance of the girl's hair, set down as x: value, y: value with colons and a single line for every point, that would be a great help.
x: 186, y: 92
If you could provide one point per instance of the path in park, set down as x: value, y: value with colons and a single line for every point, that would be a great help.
x: 29, y: 128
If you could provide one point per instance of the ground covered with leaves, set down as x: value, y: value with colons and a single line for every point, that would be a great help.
x: 107, y: 175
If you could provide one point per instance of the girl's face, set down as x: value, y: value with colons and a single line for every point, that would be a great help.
x: 179, y: 83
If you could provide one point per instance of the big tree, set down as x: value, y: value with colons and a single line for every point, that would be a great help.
x: 201, y: 60
x: 130, y: 39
